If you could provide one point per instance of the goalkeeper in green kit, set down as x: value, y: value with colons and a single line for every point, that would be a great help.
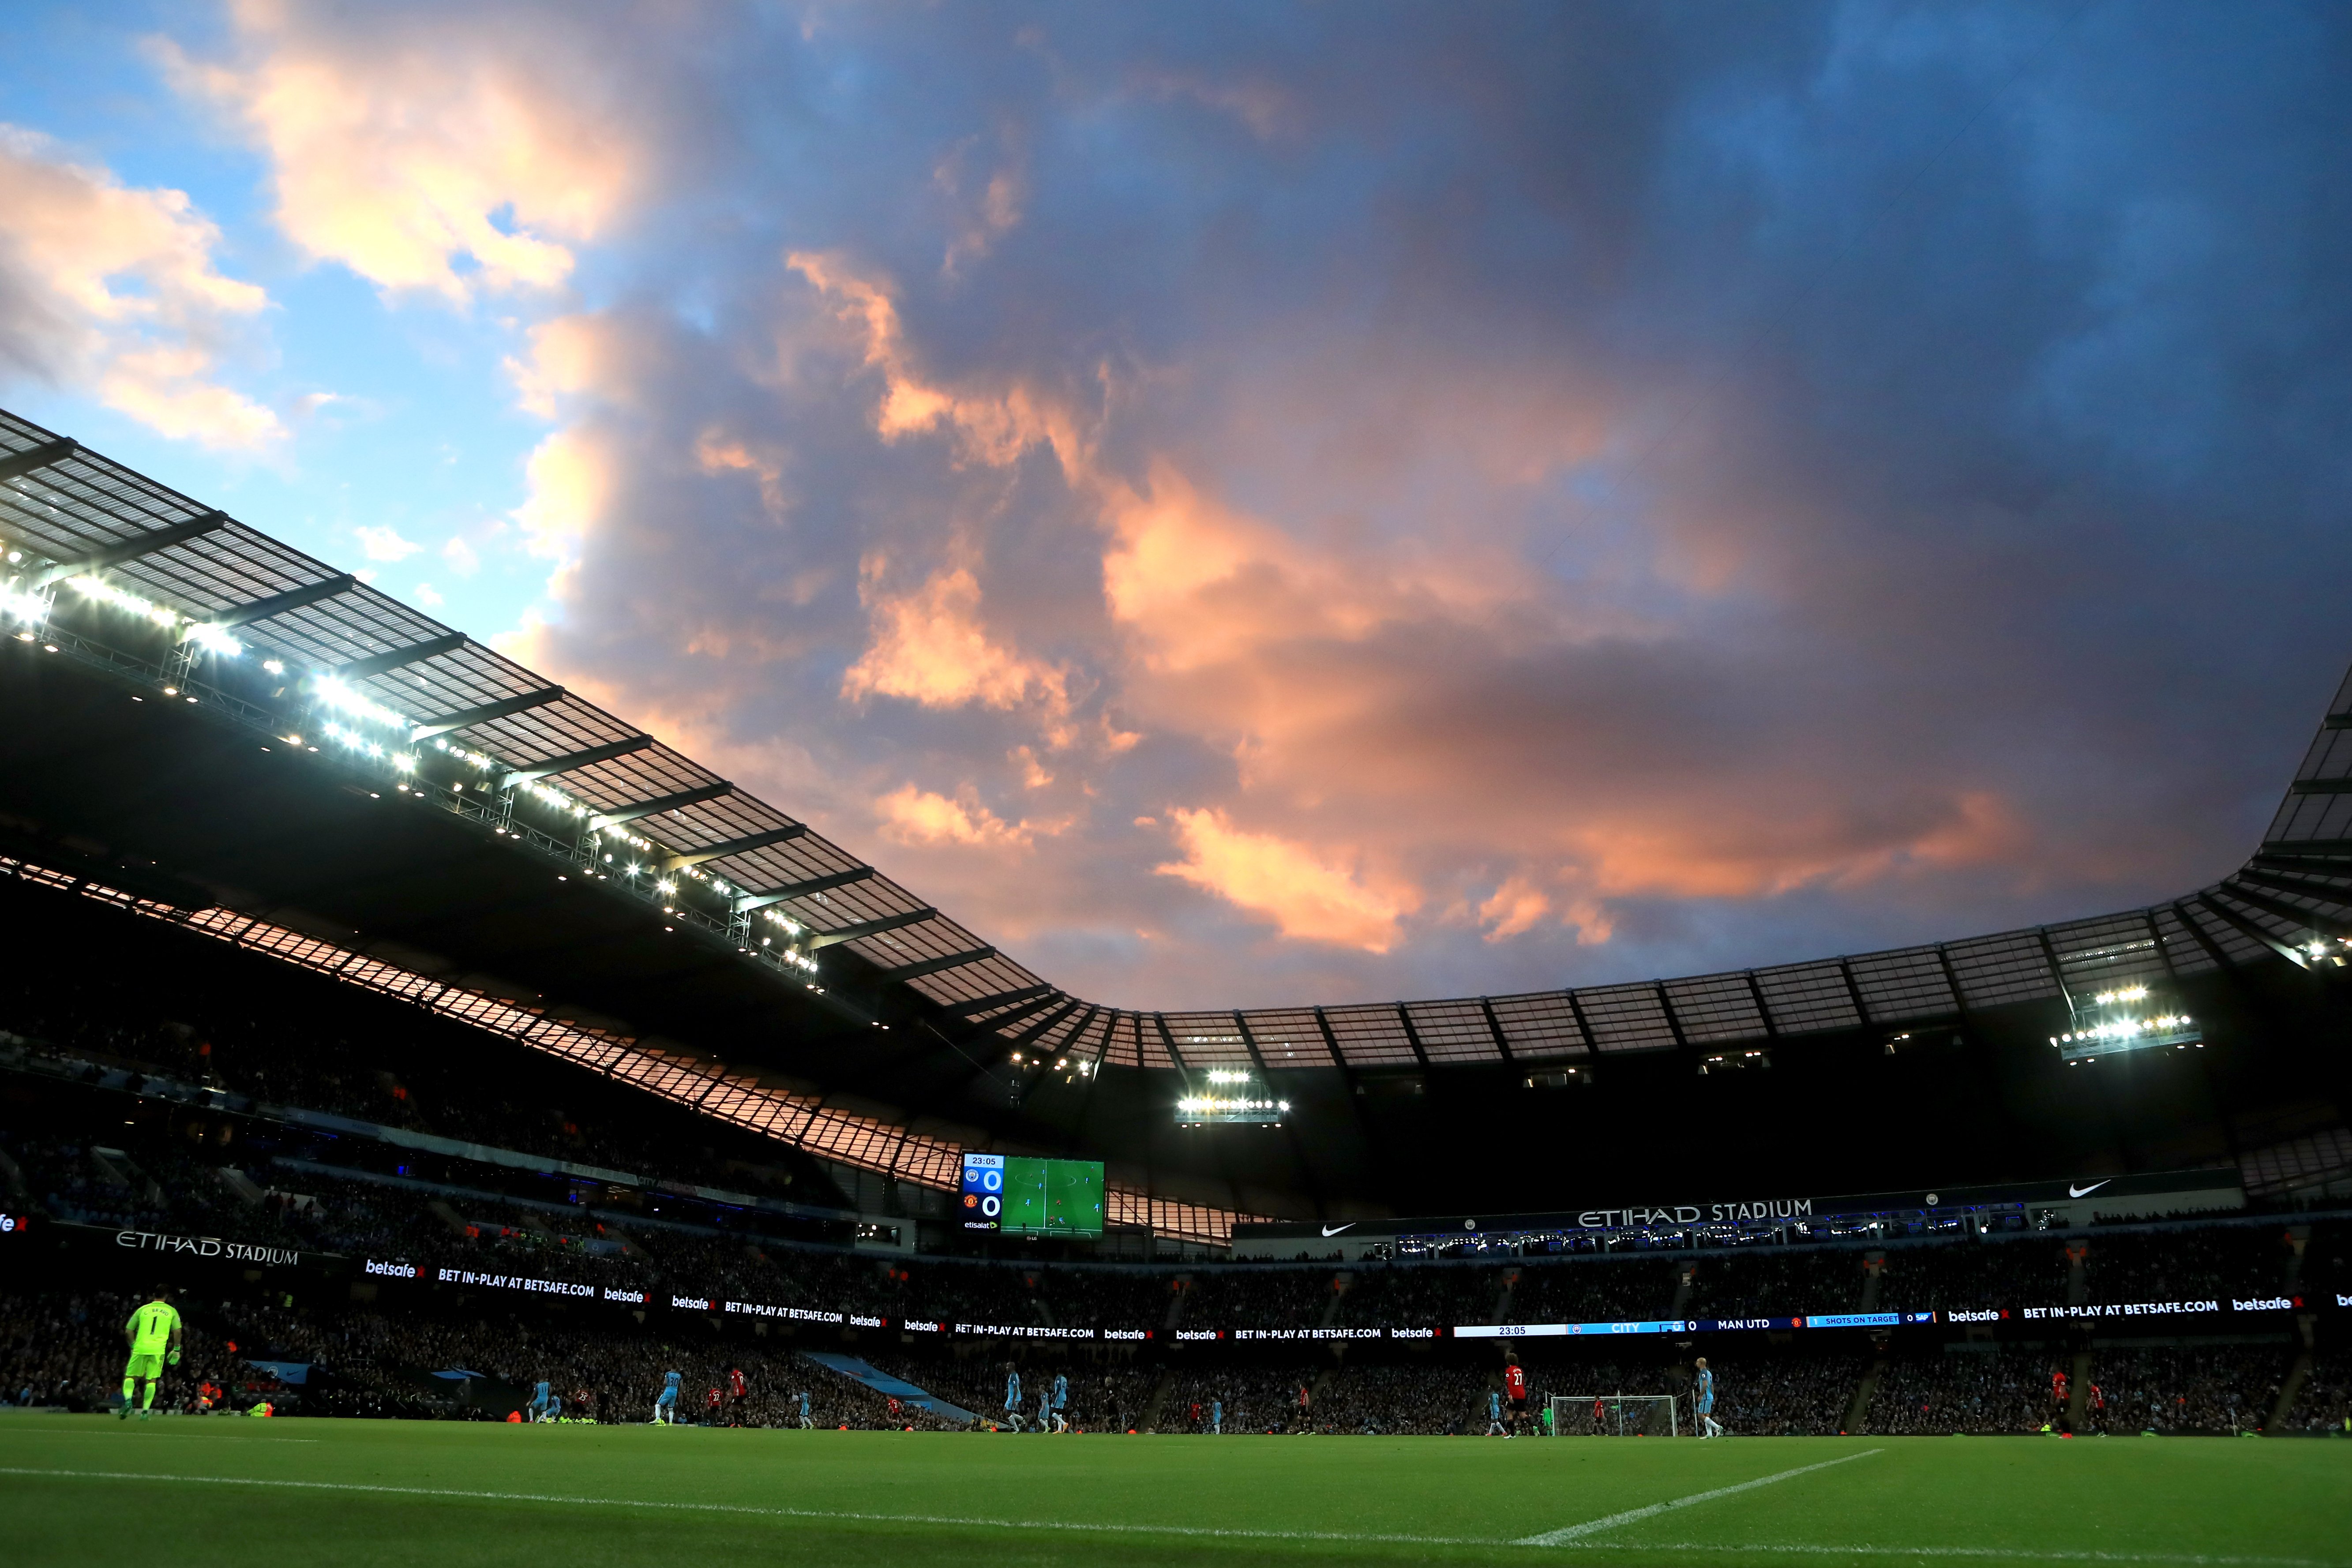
x: 153, y: 1333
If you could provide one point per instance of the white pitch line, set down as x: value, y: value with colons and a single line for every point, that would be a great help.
x: 1564, y: 1536
x: 6, y: 1432
x: 2189, y: 1560
x: 2031, y: 1554
x: 842, y: 1514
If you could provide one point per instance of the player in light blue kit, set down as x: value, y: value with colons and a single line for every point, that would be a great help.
x: 1216, y: 1418
x: 806, y: 1424
x: 1011, y: 1397
x: 665, y: 1402
x: 1494, y: 1413
x: 1703, y: 1401
x: 542, y: 1405
x: 1061, y: 1402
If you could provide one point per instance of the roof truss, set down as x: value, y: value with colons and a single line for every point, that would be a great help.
x: 467, y: 718
x: 871, y: 928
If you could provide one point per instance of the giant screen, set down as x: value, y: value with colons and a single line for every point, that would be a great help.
x: 1018, y: 1195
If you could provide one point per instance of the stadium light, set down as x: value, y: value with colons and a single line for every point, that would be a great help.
x: 341, y: 697
x: 214, y: 639
x: 23, y: 606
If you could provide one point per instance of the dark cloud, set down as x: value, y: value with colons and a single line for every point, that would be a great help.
x: 1737, y: 484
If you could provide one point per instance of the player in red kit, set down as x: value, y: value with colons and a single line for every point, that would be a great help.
x: 736, y: 1394
x: 710, y: 1408
x: 1515, y: 1390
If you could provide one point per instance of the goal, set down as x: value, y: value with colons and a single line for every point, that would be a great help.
x: 1615, y: 1415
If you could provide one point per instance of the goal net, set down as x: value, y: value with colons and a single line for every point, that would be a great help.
x: 1615, y: 1415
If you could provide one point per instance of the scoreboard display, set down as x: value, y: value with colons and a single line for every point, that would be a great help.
x: 1017, y: 1195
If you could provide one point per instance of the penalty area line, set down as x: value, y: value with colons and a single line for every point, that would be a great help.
x: 1571, y: 1533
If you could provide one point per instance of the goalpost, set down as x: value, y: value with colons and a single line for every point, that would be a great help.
x: 1615, y: 1415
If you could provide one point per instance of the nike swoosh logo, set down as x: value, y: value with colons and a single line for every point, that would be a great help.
x: 2074, y: 1192
x: 1331, y: 1230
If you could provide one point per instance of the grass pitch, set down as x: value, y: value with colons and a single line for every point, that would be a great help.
x: 92, y: 1491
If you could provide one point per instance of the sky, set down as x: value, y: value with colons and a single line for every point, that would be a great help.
x: 1247, y: 504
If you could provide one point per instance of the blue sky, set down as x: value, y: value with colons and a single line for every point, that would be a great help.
x: 1255, y: 503
x: 421, y: 435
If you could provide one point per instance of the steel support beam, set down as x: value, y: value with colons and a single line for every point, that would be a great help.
x: 424, y: 729
x: 278, y: 604
x: 2306, y: 865
x: 1001, y: 999
x: 1674, y: 1021
x: 1764, y: 1008
x: 2213, y: 950
x: 815, y: 885
x: 132, y: 549
x: 2327, y: 925
x: 1017, y: 1012
x: 1861, y: 1009
x: 2335, y: 892
x: 414, y: 653
x: 1412, y: 1035
x: 575, y: 760
x: 870, y: 927
x: 17, y: 465
x: 2245, y: 927
x: 655, y: 807
x: 2330, y: 848
x: 743, y: 845
x: 1037, y: 1026
x: 1494, y: 1031
x: 933, y: 965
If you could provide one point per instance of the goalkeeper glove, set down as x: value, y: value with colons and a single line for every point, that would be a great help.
x: 171, y: 1358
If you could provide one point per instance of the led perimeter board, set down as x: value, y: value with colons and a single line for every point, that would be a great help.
x: 1020, y: 1196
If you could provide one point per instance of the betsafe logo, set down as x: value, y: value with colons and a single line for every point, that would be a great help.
x: 10, y: 1224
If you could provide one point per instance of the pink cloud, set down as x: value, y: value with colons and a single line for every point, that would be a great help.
x: 930, y: 647
x: 1307, y: 896
x: 114, y: 290
x: 913, y: 816
x: 451, y: 156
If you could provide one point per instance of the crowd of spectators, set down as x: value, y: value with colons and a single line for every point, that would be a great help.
x: 1970, y: 1274
x: 1966, y: 1390
x: 2324, y: 1403
x: 1763, y: 1285
x: 2186, y: 1264
x: 1596, y: 1290
x: 67, y: 1349
x: 2218, y: 1388
x: 199, y: 1022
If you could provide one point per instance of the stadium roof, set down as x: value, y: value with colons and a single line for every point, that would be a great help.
x: 68, y: 513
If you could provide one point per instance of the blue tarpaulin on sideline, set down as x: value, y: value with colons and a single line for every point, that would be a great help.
x: 881, y: 1382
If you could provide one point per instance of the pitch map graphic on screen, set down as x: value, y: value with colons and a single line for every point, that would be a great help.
x: 1022, y: 1196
